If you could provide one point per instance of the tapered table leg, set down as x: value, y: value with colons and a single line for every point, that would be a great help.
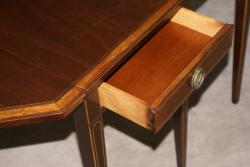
x: 241, y: 32
x: 180, y: 127
x: 89, y: 128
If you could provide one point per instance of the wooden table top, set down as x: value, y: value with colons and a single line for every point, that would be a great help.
x: 52, y: 52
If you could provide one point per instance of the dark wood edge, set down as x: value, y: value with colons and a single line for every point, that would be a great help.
x: 151, y: 120
x: 225, y: 34
x: 40, y: 113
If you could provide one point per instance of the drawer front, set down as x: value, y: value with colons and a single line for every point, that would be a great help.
x: 156, y: 80
x: 213, y: 55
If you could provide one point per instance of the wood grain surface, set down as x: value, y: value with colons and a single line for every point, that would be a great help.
x: 198, y: 22
x: 156, y: 65
x: 49, y: 47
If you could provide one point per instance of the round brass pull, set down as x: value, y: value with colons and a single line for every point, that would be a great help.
x: 197, y: 78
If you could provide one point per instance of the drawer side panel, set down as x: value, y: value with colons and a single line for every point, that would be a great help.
x: 124, y: 104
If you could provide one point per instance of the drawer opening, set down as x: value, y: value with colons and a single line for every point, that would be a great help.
x: 154, y: 82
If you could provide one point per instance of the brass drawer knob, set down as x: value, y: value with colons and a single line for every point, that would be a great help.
x: 197, y: 78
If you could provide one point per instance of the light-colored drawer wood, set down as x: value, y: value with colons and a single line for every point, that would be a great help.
x: 156, y: 80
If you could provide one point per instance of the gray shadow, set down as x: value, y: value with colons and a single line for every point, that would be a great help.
x: 196, y: 4
x: 135, y: 131
x: 36, y: 133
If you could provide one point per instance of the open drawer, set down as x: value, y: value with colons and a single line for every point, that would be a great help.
x: 158, y: 78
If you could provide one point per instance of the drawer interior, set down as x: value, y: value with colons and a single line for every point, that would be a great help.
x: 138, y: 88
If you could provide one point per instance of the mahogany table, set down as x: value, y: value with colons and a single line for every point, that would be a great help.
x: 54, y: 55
